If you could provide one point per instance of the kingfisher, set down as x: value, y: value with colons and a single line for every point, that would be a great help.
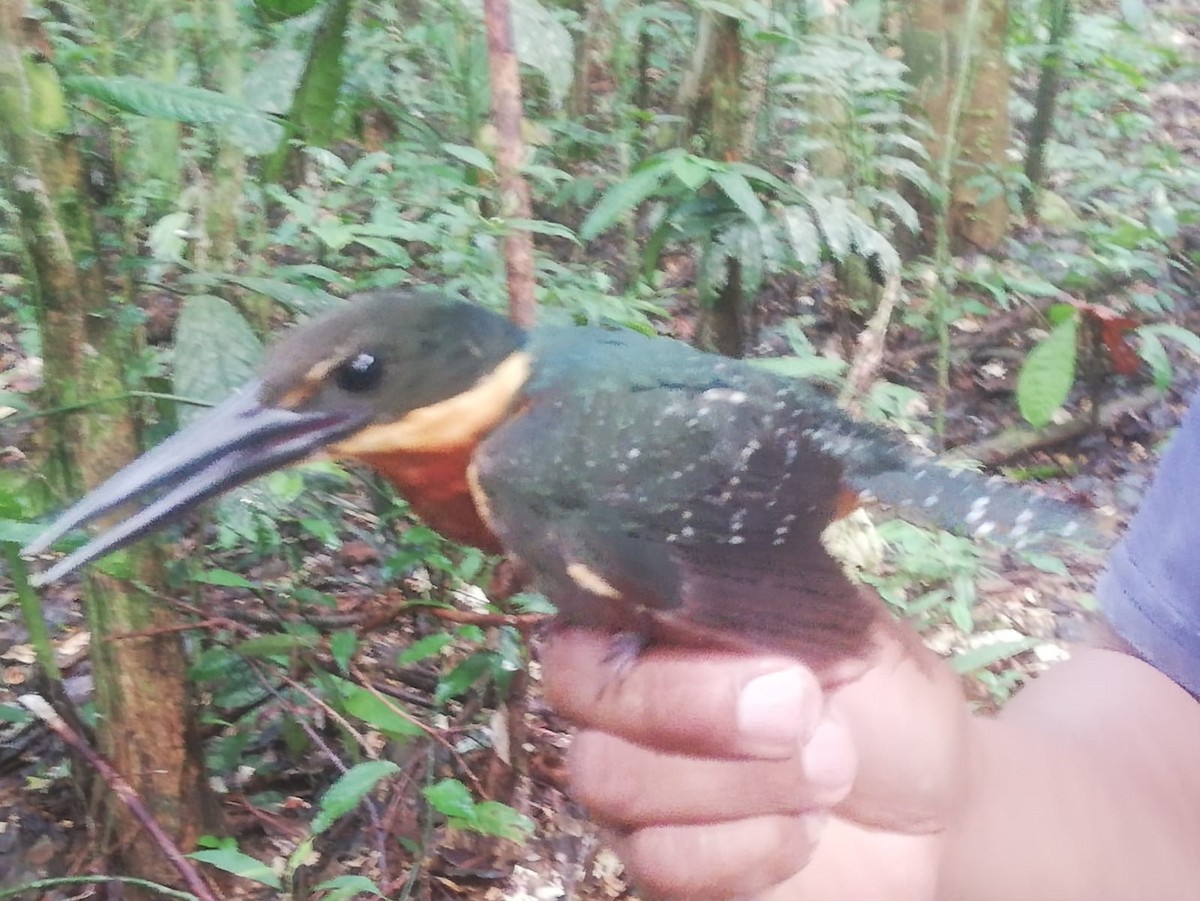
x: 651, y: 489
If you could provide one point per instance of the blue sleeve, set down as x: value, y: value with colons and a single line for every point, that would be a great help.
x: 1151, y: 590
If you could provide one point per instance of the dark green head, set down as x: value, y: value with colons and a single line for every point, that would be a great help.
x: 389, y: 372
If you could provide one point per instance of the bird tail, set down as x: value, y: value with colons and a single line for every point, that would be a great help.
x: 967, y: 502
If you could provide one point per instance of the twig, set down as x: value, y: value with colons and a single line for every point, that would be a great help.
x: 523, y: 622
x: 871, y: 341
x: 510, y: 153
x: 37, y: 705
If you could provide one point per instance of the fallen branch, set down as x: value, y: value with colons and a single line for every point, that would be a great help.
x: 1019, y: 440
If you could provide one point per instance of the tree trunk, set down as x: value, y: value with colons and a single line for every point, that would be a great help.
x: 1043, y: 107
x: 507, y: 113
x: 967, y: 109
x: 721, y: 98
x: 144, y: 726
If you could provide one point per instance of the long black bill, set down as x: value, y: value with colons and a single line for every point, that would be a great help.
x: 231, y: 444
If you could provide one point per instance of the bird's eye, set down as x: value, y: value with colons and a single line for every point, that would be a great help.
x: 361, y: 372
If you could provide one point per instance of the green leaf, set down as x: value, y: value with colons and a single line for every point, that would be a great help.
x: 1048, y: 374
x: 281, y: 10
x: 542, y: 227
x: 738, y: 189
x: 280, y: 644
x: 159, y: 100
x: 472, y: 156
x: 342, y: 645
x: 694, y: 172
x: 1154, y: 355
x: 1047, y: 563
x: 233, y: 861
x: 463, y: 676
x: 803, y: 235
x: 1190, y: 341
x: 495, y: 818
x: 23, y: 533
x: 224, y: 578
x: 423, y: 647
x: 345, y: 794
x: 342, y: 888
x: 450, y: 798
x: 623, y: 197
x: 216, y: 352
x: 10, y: 713
x: 374, y: 711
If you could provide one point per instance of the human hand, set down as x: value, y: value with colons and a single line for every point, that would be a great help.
x: 723, y: 776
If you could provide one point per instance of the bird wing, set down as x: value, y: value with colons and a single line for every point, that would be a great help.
x: 687, y: 509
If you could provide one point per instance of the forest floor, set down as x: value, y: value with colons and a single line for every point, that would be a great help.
x: 41, y: 828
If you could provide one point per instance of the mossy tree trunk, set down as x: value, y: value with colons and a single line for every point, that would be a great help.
x: 967, y: 109
x: 144, y: 724
x: 716, y: 108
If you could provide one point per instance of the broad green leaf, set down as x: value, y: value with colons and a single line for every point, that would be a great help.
x: 342, y: 645
x: 472, y: 156
x: 1048, y: 374
x: 803, y: 235
x: 224, y: 578
x: 233, y: 861
x: 305, y: 301
x: 159, y: 100
x: 374, y: 711
x: 495, y: 818
x: 345, y: 794
x: 1154, y: 355
x: 463, y: 676
x: 423, y: 648
x: 1047, y: 563
x: 542, y: 227
x: 693, y: 171
x: 281, y: 10
x: 216, y: 352
x: 450, y: 798
x: 1190, y: 341
x: 280, y: 644
x: 23, y: 533
x: 738, y: 190
x: 12, y: 714
x: 624, y: 197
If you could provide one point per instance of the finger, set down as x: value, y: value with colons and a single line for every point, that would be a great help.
x: 718, y: 861
x: 628, y: 785
x: 908, y: 720
x: 685, y: 702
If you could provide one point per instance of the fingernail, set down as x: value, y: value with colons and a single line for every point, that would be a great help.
x: 829, y: 759
x: 770, y: 713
